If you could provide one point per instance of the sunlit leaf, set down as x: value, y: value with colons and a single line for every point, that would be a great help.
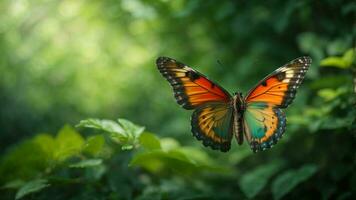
x: 104, y: 125
x: 31, y: 187
x: 94, y: 145
x: 149, y: 141
x: 334, y: 62
x: 127, y: 147
x: 330, y: 94
x: 289, y: 179
x: 130, y: 128
x: 124, y: 132
x: 169, y: 143
x: 349, y: 57
x: 48, y: 145
x: 24, y: 161
x: 87, y: 163
x: 68, y: 143
x: 341, y: 62
x: 254, y: 181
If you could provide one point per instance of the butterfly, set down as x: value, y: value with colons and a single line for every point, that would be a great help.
x: 218, y: 116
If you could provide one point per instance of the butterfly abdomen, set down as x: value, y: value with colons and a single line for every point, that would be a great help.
x: 239, y: 109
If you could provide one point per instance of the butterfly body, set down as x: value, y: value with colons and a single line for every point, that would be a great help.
x: 258, y: 117
x: 239, y: 109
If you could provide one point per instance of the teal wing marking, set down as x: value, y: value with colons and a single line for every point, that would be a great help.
x: 212, y: 123
x: 264, y: 125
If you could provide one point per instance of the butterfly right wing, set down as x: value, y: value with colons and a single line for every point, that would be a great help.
x: 212, y: 123
x: 279, y: 88
x: 191, y: 88
x: 264, y: 119
x: 264, y: 125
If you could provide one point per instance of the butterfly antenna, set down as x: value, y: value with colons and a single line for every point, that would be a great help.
x: 218, y: 61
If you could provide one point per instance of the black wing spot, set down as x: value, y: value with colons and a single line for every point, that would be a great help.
x: 192, y: 75
x: 264, y: 83
x: 281, y: 76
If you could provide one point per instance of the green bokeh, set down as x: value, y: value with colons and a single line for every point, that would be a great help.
x: 62, y: 61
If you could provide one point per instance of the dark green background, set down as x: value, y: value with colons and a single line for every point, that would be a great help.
x: 64, y: 61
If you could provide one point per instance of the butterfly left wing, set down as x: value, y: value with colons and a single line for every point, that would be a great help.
x: 264, y: 121
x: 212, y: 123
x: 191, y: 88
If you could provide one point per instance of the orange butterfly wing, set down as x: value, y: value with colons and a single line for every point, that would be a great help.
x: 212, y: 123
x: 280, y: 87
x: 264, y: 121
x: 191, y: 88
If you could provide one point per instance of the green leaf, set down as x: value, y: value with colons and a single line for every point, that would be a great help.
x: 115, y: 131
x: 127, y: 147
x: 104, y: 125
x: 151, y: 161
x: 168, y: 144
x: 130, y: 128
x: 68, y: 143
x: 255, y: 180
x: 288, y: 180
x: 124, y: 132
x: 87, y: 163
x: 182, y: 160
x: 14, y: 184
x: 349, y: 57
x: 333, y: 62
x: 132, y: 132
x: 48, y: 145
x: 94, y: 145
x: 23, y: 162
x: 331, y: 94
x: 31, y: 187
x: 341, y: 62
x: 149, y: 141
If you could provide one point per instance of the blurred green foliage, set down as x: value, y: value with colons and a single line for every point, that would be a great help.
x: 64, y: 61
